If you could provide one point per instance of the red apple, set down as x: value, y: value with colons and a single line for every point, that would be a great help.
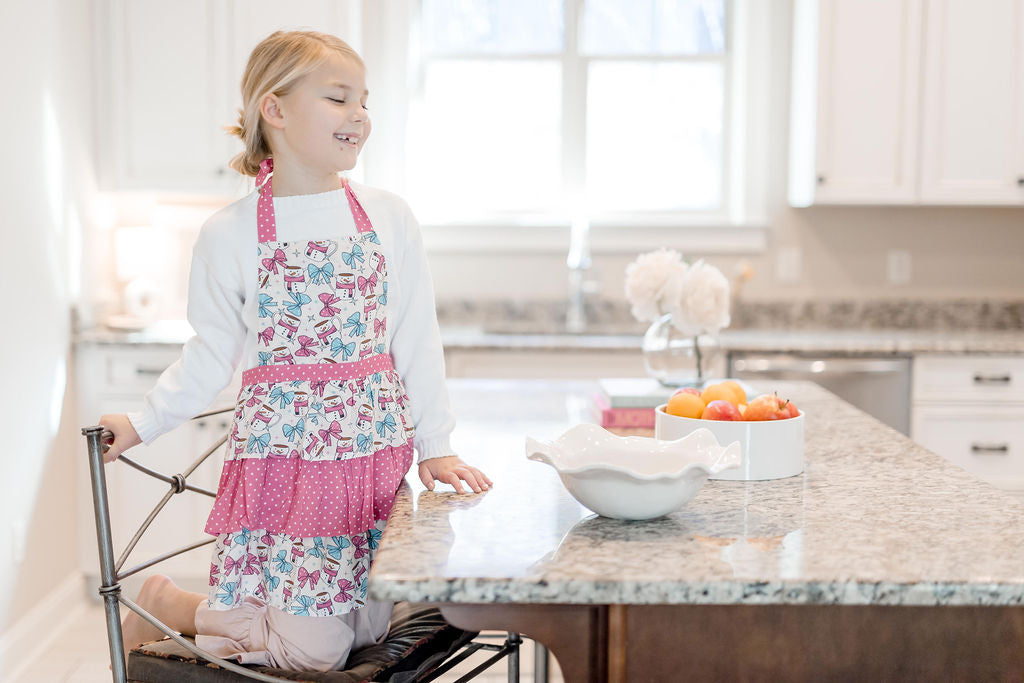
x: 793, y: 410
x: 767, y: 407
x: 720, y: 409
x: 687, y: 390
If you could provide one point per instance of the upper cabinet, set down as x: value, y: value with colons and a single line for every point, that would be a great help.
x: 907, y: 102
x: 168, y: 83
x: 973, y: 103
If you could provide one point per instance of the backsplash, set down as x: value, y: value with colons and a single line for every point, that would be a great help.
x: 613, y: 317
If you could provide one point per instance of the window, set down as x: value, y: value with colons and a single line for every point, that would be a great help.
x: 533, y: 112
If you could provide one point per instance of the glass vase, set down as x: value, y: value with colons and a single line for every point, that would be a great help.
x: 678, y: 360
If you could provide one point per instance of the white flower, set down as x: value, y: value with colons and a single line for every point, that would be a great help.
x: 702, y: 304
x: 648, y: 280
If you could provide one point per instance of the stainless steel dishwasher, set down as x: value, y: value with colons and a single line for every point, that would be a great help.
x: 878, y: 385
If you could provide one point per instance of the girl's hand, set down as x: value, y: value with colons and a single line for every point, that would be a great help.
x: 450, y: 469
x: 125, y: 435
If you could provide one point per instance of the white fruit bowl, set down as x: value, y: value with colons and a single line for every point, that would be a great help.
x: 772, y: 449
x: 633, y: 477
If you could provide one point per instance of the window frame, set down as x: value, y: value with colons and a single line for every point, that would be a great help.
x: 390, y: 39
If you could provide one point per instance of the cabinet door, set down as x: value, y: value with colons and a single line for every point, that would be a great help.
x: 986, y: 441
x: 973, y: 124
x: 855, y: 104
x: 253, y: 20
x: 113, y: 379
x: 162, y: 69
x: 132, y: 495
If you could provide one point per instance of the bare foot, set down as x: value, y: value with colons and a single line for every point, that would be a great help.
x: 136, y: 630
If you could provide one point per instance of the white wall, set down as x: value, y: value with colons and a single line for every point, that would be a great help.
x: 44, y: 177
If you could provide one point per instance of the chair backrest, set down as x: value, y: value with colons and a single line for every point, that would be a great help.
x: 110, y: 570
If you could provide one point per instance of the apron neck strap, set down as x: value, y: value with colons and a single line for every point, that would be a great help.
x: 362, y: 220
x: 266, y: 223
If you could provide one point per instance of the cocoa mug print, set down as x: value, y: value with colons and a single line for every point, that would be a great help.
x: 294, y: 278
x: 319, y: 251
x: 264, y: 418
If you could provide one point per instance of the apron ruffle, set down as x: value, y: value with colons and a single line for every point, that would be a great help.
x: 303, y: 497
x: 309, y: 576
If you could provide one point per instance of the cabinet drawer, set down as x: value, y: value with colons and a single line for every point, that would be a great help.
x: 969, y: 378
x: 988, y: 442
x: 130, y: 369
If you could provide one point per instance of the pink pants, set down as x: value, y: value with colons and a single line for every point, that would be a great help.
x: 255, y: 633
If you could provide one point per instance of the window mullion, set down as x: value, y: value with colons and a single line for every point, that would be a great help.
x: 574, y: 111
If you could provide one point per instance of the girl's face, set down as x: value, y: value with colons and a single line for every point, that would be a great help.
x: 327, y: 104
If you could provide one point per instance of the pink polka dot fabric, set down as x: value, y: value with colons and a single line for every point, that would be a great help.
x: 318, y: 371
x: 309, y: 498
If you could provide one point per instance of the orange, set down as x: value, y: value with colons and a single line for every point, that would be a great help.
x: 742, y: 395
x: 725, y: 392
x: 685, y: 405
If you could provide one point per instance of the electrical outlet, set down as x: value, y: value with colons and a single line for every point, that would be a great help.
x: 788, y: 265
x: 898, y: 266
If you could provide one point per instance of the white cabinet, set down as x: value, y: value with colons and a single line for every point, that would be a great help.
x: 855, y: 103
x: 907, y: 102
x: 168, y: 80
x: 113, y: 378
x: 970, y: 410
x: 972, y: 150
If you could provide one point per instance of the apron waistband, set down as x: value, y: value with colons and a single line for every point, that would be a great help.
x: 380, y: 362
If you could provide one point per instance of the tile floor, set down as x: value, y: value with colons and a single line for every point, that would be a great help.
x: 83, y: 657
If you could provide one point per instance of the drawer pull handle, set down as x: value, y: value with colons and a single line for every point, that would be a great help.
x: 998, y: 448
x: 992, y: 379
x: 149, y: 371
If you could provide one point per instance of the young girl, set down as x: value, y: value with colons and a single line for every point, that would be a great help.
x: 321, y: 287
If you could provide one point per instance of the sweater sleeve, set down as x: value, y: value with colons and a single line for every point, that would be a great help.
x: 208, y: 359
x: 416, y: 347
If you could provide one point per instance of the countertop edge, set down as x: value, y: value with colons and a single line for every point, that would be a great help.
x: 923, y: 594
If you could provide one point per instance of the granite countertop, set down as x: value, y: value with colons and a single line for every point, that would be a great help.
x: 874, y: 519
x: 843, y: 342
x: 617, y: 338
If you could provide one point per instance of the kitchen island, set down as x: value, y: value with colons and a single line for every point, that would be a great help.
x: 882, y: 560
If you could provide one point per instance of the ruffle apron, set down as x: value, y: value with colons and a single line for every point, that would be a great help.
x: 322, y: 435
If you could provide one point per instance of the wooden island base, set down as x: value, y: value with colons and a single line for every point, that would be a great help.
x: 636, y: 643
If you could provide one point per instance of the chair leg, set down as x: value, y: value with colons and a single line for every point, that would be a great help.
x: 540, y: 663
x: 514, y: 641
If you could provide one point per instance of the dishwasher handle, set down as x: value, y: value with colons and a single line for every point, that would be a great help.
x: 818, y: 366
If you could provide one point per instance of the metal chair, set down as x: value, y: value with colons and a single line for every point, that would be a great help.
x: 425, y: 666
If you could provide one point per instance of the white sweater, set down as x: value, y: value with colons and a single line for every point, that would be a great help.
x: 222, y: 308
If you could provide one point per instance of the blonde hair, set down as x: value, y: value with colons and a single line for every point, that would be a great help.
x: 275, y: 66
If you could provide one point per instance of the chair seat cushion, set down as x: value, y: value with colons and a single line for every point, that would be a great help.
x: 418, y: 641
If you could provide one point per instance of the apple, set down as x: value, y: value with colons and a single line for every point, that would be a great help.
x: 767, y: 407
x: 687, y: 390
x: 720, y: 409
x: 793, y: 410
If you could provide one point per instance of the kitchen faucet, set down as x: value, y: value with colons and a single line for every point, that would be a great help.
x: 578, y: 261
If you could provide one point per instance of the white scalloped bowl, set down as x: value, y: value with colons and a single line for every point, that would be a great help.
x: 633, y: 477
x: 772, y: 449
